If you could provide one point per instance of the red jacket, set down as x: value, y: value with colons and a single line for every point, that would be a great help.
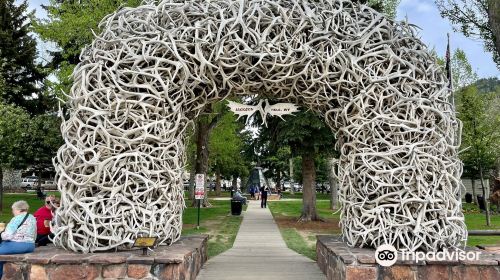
x: 41, y: 215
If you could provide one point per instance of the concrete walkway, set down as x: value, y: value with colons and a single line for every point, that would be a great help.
x: 259, y: 252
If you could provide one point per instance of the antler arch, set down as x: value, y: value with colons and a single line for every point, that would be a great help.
x: 156, y: 66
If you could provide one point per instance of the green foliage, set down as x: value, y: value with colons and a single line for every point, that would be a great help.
x: 475, y: 19
x: 14, y: 123
x: 480, y: 115
x: 21, y: 76
x: 43, y: 139
x: 488, y: 84
x: 2, y: 80
x: 225, y: 147
x: 389, y: 7
x: 70, y: 25
x: 304, y: 133
x: 461, y: 70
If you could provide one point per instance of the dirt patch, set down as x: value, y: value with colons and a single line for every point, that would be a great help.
x: 188, y: 226
x: 328, y: 226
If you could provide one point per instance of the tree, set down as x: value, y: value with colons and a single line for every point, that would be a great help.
x: 334, y: 188
x: 42, y: 140
x: 13, y: 129
x: 204, y: 126
x: 477, y: 19
x: 388, y: 7
x: 307, y: 136
x: 225, y: 147
x: 2, y: 80
x: 462, y: 72
x: 480, y: 115
x: 22, y: 76
x: 70, y: 25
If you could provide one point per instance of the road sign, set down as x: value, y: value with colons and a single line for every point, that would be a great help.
x: 199, y: 191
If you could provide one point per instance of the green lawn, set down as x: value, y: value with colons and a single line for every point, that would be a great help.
x: 297, y: 243
x: 300, y: 237
x: 298, y: 195
x: 294, y: 208
x: 217, y: 220
x: 9, y: 199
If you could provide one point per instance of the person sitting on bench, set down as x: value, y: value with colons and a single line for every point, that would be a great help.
x: 44, y: 216
x: 20, y: 232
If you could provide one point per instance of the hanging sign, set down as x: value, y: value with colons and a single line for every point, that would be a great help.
x: 278, y: 109
x: 199, y: 190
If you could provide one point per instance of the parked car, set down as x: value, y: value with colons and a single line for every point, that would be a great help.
x: 297, y: 187
x: 29, y: 182
x: 186, y: 185
x: 49, y: 185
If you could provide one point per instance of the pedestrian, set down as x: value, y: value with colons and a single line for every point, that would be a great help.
x: 43, y: 217
x: 263, y: 202
x: 252, y: 192
x: 20, y: 232
x: 257, y: 191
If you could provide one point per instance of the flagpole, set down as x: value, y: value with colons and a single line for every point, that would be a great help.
x: 451, y: 73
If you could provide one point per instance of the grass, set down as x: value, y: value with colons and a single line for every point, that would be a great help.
x: 298, y: 195
x: 301, y: 237
x: 294, y: 209
x: 9, y: 199
x: 297, y: 243
x: 217, y: 220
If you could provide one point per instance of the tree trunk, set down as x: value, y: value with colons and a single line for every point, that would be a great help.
x: 191, y: 183
x: 217, y: 182
x: 309, y: 212
x: 234, y: 185
x: 1, y: 189
x: 486, y: 204
x: 291, y: 176
x: 494, y: 22
x: 333, y: 185
x: 278, y: 178
x: 202, y: 152
x: 39, y: 183
x: 473, y: 184
x: 201, y: 163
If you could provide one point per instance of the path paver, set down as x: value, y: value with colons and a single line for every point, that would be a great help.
x: 259, y: 252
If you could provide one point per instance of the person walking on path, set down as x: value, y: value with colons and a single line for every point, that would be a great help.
x: 252, y: 192
x: 263, y: 196
x: 20, y: 232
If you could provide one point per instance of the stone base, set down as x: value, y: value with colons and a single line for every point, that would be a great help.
x: 339, y: 262
x: 182, y: 260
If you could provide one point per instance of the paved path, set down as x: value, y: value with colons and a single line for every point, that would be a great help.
x: 259, y: 252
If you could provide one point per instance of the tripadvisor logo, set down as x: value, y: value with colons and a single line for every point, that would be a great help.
x: 386, y: 255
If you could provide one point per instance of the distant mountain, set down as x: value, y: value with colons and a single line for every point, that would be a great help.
x: 488, y: 85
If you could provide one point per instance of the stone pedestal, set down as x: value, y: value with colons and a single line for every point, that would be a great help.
x: 340, y: 262
x: 182, y: 260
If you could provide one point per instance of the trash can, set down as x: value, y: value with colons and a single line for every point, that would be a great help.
x: 480, y: 202
x: 236, y: 207
x: 468, y: 197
